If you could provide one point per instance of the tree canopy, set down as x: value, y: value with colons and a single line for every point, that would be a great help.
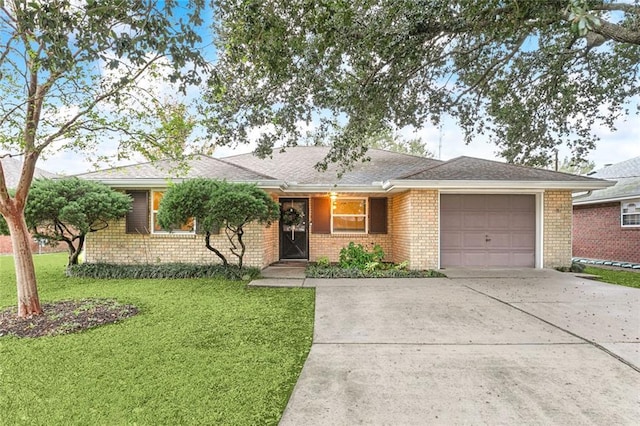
x: 215, y: 205
x: 75, y: 74
x: 529, y: 75
x: 69, y: 209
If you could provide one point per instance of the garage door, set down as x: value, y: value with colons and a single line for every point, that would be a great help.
x: 487, y: 230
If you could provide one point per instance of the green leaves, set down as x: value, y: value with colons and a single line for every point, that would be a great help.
x: 216, y: 204
x: 343, y: 72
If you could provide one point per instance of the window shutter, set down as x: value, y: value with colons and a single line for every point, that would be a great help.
x: 377, y: 215
x: 321, y: 215
x: 138, y: 217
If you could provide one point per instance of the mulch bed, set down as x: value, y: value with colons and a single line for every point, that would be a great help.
x: 64, y: 317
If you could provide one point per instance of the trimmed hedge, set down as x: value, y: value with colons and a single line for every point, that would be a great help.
x: 161, y: 270
x: 321, y: 271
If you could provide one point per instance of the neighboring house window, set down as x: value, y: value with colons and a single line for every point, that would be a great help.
x: 630, y: 214
x: 349, y: 215
x: 185, y: 228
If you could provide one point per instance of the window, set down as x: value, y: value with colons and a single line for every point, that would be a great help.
x: 349, y: 215
x: 186, y: 228
x: 630, y: 213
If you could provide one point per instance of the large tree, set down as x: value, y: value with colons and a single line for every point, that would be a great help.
x: 71, y: 75
x: 529, y: 75
x: 218, y: 205
x: 69, y: 209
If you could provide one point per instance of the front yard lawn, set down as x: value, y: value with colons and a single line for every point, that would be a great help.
x: 625, y: 278
x: 200, y: 351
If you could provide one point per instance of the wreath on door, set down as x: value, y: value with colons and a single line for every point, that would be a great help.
x: 291, y: 217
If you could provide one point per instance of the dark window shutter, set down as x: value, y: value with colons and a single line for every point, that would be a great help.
x: 138, y: 216
x: 377, y: 215
x: 321, y: 215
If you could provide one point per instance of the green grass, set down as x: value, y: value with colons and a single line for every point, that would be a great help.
x: 201, y: 351
x: 625, y: 278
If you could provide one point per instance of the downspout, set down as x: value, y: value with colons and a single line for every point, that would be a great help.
x: 586, y: 194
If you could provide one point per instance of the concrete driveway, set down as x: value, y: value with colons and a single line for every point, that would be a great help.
x: 480, y: 347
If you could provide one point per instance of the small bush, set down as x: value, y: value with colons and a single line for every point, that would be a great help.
x: 356, y: 256
x: 323, y: 261
x: 161, y: 270
x: 575, y: 268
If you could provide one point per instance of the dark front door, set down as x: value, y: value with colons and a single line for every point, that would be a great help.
x: 294, y: 228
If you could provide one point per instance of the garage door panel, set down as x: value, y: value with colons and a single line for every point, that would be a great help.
x: 488, y: 230
x: 451, y: 257
x: 522, y: 260
x: 473, y: 220
x: 497, y: 220
x: 473, y: 240
x: 522, y: 220
x: 452, y: 240
x: 452, y: 220
x: 498, y: 241
x: 474, y: 259
x: 473, y: 202
x: 520, y: 240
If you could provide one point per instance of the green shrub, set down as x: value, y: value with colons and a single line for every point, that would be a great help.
x: 316, y: 271
x: 161, y: 270
x: 356, y: 256
x: 323, y: 261
x: 575, y: 268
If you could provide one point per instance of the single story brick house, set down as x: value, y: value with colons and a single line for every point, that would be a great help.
x: 465, y: 212
x: 606, y: 222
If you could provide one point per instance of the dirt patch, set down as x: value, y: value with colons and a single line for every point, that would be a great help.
x: 64, y: 317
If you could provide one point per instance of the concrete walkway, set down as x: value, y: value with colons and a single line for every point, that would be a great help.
x: 481, y: 347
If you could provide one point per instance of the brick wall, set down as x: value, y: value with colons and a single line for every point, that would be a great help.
x: 557, y: 228
x: 415, y: 216
x: 597, y: 234
x: 114, y: 245
x: 329, y: 245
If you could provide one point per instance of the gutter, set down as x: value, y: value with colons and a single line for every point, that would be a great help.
x: 495, y: 184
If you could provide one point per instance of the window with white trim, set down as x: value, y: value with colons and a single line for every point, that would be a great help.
x: 349, y: 215
x: 630, y: 213
x: 189, y: 227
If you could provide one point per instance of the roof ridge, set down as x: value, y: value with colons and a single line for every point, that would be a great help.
x: 222, y: 160
x: 442, y: 163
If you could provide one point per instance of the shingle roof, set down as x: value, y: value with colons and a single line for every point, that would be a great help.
x: 13, y: 167
x: 294, y: 170
x: 468, y: 168
x: 198, y: 166
x: 297, y: 164
x: 627, y: 175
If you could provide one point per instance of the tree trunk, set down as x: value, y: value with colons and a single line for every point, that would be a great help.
x: 74, y: 252
x: 28, y: 300
x: 207, y: 243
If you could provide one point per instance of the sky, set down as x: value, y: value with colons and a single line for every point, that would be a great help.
x: 613, y: 147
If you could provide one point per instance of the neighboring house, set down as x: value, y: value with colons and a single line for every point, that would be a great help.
x: 465, y: 212
x: 606, y: 222
x: 12, y: 169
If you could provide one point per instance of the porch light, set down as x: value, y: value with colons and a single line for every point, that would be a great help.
x: 333, y: 196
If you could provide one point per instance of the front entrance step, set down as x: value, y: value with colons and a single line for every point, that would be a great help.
x: 285, y: 271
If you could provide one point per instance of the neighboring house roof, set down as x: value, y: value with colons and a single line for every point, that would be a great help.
x: 13, y: 168
x: 627, y: 186
x: 294, y: 170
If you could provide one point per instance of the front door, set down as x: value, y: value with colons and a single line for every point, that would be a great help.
x: 294, y: 228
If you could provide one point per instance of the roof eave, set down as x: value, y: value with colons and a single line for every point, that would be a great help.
x: 606, y: 199
x: 163, y: 183
x: 496, y: 184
